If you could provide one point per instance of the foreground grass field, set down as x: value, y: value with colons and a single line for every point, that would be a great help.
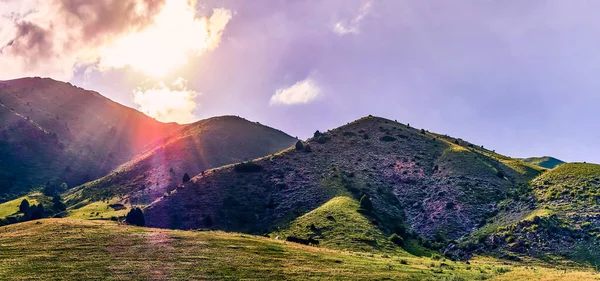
x: 70, y: 249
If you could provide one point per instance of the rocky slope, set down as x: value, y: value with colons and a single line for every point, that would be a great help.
x: 417, y: 182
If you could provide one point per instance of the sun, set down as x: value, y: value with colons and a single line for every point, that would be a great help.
x: 175, y: 35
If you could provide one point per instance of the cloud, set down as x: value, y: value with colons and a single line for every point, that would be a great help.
x: 49, y: 38
x: 302, y: 92
x: 168, y: 104
x: 352, y: 26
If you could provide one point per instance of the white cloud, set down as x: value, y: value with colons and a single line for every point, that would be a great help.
x: 49, y: 38
x: 168, y: 104
x: 352, y: 26
x: 302, y: 92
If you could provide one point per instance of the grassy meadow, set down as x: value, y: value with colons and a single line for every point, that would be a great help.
x: 72, y: 249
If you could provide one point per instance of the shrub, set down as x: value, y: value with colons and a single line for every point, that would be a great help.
x: 57, y: 203
x: 299, y: 145
x: 317, y: 134
x: 396, y: 239
x: 423, y: 131
x: 349, y: 134
x: 247, y: 167
x: 307, y: 148
x: 500, y: 174
x: 208, y: 222
x: 403, y: 261
x: 387, y: 138
x: 436, y: 257
x: 24, y: 207
x: 38, y: 212
x: 186, y: 178
x: 135, y: 217
x: 365, y: 203
x: 323, y: 139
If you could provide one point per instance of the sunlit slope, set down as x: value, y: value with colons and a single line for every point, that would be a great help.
x: 53, y: 132
x: 200, y: 146
x: 417, y: 181
x: 67, y: 249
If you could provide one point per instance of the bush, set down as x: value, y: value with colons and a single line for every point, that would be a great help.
x: 423, y: 131
x: 24, y: 207
x: 57, y: 203
x: 208, y: 222
x: 186, y: 178
x: 323, y: 139
x: 38, y: 212
x: 317, y: 134
x: 135, y: 217
x: 365, y: 203
x: 299, y: 145
x: 247, y: 167
x: 349, y: 134
x: 396, y: 239
x: 500, y: 174
x: 387, y: 138
x: 307, y: 148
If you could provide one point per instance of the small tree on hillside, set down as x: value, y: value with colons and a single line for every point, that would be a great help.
x: 365, y: 203
x: 57, y: 203
x: 307, y: 148
x: 299, y: 145
x: 135, y: 217
x: 38, y: 212
x: 186, y: 178
x: 24, y: 207
x: 317, y: 134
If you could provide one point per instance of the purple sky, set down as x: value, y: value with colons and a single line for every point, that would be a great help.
x: 519, y: 77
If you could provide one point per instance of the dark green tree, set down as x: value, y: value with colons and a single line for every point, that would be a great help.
x: 24, y: 207
x: 186, y: 178
x: 299, y: 145
x: 307, y: 148
x: 58, y: 204
x: 365, y: 203
x: 38, y: 212
x: 135, y: 217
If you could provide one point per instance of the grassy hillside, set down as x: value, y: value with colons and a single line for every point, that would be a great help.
x: 340, y: 225
x: 419, y: 184
x: 52, y: 132
x: 544, y: 162
x: 68, y: 249
x: 12, y: 207
x: 555, y: 217
x: 200, y: 146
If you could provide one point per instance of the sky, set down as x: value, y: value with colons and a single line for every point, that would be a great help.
x: 519, y: 77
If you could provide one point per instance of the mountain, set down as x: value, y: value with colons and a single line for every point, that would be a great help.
x: 197, y: 147
x: 380, y: 176
x: 53, y: 132
x: 544, y: 162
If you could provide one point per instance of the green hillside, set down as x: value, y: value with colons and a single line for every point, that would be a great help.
x: 544, y: 162
x: 68, y: 249
x: 554, y: 218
